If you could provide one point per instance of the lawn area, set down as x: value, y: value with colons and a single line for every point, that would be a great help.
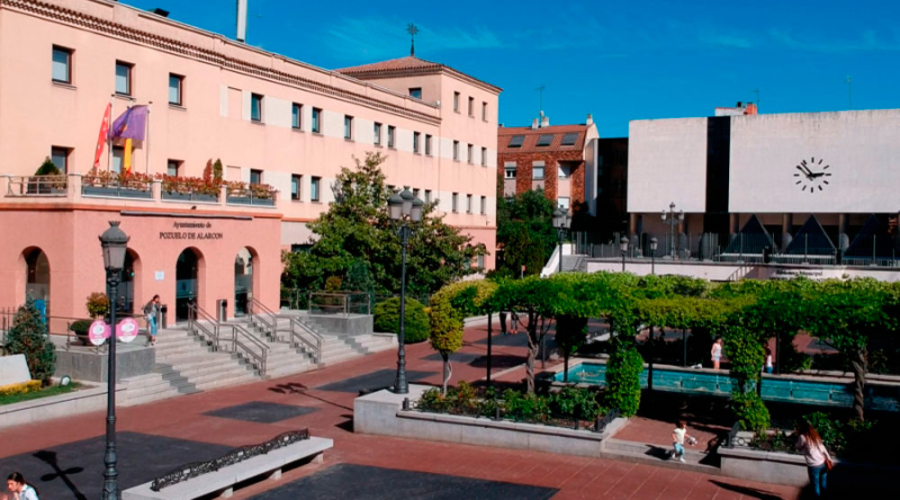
x: 43, y: 393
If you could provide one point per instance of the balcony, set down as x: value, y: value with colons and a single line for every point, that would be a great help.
x: 135, y: 191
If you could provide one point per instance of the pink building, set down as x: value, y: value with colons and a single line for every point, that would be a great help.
x: 271, y: 120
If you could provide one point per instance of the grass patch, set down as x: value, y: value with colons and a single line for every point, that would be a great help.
x: 54, y: 390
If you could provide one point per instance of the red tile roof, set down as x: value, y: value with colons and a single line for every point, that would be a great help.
x: 505, y: 135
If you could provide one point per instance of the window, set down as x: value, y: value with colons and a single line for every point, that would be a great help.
x: 481, y: 261
x: 484, y: 111
x: 117, y: 159
x: 348, y: 127
x: 415, y: 93
x: 456, y: 102
x: 172, y: 168
x: 537, y: 173
x: 316, y: 121
x: 545, y: 140
x: 483, y: 205
x: 176, y: 84
x: 302, y: 247
x: 416, y: 137
x: 427, y: 144
x: 256, y: 108
x: 391, y: 133
x: 509, y: 170
x: 516, y: 141
x: 255, y: 176
x: 377, y: 132
x: 314, y: 188
x: 427, y: 196
x: 62, y: 64
x: 297, y: 116
x: 564, y: 171
x: 455, y: 150
x: 296, y: 182
x: 60, y: 157
x: 470, y: 157
x: 563, y: 202
x: 483, y: 157
x: 455, y: 200
x: 468, y: 203
x: 123, y: 77
x: 471, y: 106
x: 570, y: 139
x: 416, y: 192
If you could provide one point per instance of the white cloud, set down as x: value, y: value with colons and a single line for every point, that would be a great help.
x: 868, y: 40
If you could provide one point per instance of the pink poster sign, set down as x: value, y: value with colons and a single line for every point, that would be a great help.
x: 98, y: 332
x: 127, y: 330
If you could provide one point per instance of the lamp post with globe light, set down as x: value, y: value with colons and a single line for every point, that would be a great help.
x: 673, y: 220
x: 405, y: 208
x: 561, y: 221
x: 623, y: 245
x: 653, y: 244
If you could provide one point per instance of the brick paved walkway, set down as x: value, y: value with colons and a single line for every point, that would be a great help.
x: 209, y: 418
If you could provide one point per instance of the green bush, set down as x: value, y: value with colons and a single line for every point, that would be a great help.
x: 751, y: 412
x: 575, y: 403
x: 526, y: 406
x: 29, y: 336
x: 81, y: 327
x: 48, y: 168
x: 387, y: 319
x: 623, y: 378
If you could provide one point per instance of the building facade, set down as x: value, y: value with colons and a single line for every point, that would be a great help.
x: 560, y: 159
x: 270, y: 121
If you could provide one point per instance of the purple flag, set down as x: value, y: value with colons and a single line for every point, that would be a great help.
x: 131, y: 124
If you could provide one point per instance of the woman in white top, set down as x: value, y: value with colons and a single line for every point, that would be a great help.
x: 20, y: 489
x: 716, y: 353
x: 810, y: 444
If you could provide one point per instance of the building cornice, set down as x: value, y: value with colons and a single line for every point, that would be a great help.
x: 71, y: 17
x: 427, y: 71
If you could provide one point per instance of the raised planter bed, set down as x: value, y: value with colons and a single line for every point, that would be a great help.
x: 83, y: 400
x: 190, y: 197
x: 247, y: 200
x: 116, y: 192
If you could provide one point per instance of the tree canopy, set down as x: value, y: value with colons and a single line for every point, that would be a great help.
x: 525, y: 232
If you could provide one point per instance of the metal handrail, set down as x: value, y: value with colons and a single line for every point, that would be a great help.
x: 344, y: 307
x: 37, y: 185
x: 315, y: 345
x: 271, y: 326
x: 195, y: 312
x: 261, y: 358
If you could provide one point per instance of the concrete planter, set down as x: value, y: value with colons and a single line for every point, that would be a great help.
x: 190, y: 197
x: 247, y: 200
x: 85, y: 400
x: 381, y: 413
x: 83, y: 363
x: 117, y: 192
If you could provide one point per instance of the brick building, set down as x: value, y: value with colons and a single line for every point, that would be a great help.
x: 560, y: 159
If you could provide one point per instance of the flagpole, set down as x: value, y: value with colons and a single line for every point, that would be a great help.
x: 147, y: 141
x: 112, y: 99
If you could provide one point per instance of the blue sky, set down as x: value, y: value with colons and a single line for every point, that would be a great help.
x: 619, y: 60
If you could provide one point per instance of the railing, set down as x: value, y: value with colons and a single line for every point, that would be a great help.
x: 210, y: 331
x: 294, y: 298
x: 303, y: 334
x: 37, y: 185
x: 190, y: 194
x: 250, y: 196
x: 244, y: 344
x: 129, y: 187
x: 340, y: 303
x: 257, y: 313
x: 605, y: 420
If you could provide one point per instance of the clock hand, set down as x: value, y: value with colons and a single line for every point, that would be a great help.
x: 817, y: 175
x: 805, y: 171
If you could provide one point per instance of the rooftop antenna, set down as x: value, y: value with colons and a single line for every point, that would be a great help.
x: 849, y: 93
x: 541, y: 90
x: 756, y: 91
x: 413, y: 31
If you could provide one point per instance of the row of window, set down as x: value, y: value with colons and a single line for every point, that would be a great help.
x: 537, y: 170
x: 545, y: 140
x: 315, y: 185
x: 456, y: 98
x: 469, y: 201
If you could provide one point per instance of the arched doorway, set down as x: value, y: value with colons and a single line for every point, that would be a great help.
x: 243, y: 281
x: 37, y: 281
x: 187, y: 287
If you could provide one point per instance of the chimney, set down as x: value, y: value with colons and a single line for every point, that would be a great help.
x: 241, y: 20
x: 545, y: 121
x: 534, y: 124
x: 590, y: 120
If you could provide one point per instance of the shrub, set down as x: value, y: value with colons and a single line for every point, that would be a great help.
x: 750, y: 410
x: 387, y: 319
x: 97, y: 305
x: 333, y: 283
x: 575, y: 403
x: 528, y: 406
x: 623, y: 378
x: 81, y: 327
x: 48, y: 168
x: 29, y: 336
x: 20, y: 388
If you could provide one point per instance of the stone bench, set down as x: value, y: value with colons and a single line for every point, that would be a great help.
x: 224, y: 480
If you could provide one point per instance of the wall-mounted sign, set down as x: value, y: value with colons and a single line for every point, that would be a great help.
x: 191, y: 231
x: 159, y: 275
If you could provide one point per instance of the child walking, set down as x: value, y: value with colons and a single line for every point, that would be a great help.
x: 678, y: 437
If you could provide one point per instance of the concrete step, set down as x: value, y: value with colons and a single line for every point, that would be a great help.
x: 660, y: 456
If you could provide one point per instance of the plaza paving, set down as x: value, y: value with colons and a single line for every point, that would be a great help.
x: 64, y: 457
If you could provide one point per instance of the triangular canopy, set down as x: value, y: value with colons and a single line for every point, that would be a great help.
x: 811, y: 239
x: 872, y: 237
x: 751, y: 240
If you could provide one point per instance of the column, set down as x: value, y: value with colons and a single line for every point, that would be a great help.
x: 843, y: 237
x: 787, y: 225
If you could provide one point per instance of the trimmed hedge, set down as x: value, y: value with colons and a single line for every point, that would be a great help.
x: 387, y: 319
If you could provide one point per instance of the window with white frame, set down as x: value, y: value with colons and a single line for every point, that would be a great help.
x: 314, y: 186
x: 62, y: 64
x: 123, y: 77
x: 455, y: 204
x: 456, y: 102
x: 348, y: 127
x: 296, y: 183
x: 376, y: 130
x: 470, y: 154
x: 256, y: 108
x: 296, y: 116
x: 484, y: 205
x: 176, y: 89
x: 316, y: 121
x: 427, y: 196
x: 392, y: 132
x: 428, y: 144
x: 509, y: 170
x: 455, y: 150
x: 483, y: 157
x: 468, y: 203
x: 537, y: 170
x: 416, y: 137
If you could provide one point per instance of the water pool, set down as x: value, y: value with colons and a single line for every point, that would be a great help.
x: 774, y: 388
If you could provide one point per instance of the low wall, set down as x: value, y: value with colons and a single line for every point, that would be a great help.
x: 381, y: 413
x: 84, y: 400
x: 344, y: 324
x: 82, y: 363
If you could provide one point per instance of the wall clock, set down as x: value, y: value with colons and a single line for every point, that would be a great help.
x: 812, y: 175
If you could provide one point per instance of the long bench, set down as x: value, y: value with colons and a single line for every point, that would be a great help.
x: 223, y: 481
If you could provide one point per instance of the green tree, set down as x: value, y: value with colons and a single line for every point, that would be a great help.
x: 28, y: 335
x: 387, y: 319
x: 357, y: 228
x: 525, y: 232
x: 48, y: 168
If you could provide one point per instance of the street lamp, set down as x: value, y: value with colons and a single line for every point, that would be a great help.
x: 674, y: 219
x: 404, y: 208
x: 653, y: 244
x: 623, y: 244
x: 114, y: 243
x: 561, y: 222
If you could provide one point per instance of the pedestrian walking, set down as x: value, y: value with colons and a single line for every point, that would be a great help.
x: 679, y: 434
x: 513, y: 323
x: 818, y: 460
x: 503, y: 322
x: 151, y: 314
x: 716, y: 353
x: 20, y: 488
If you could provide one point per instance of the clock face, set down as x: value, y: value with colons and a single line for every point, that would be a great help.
x: 812, y: 176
